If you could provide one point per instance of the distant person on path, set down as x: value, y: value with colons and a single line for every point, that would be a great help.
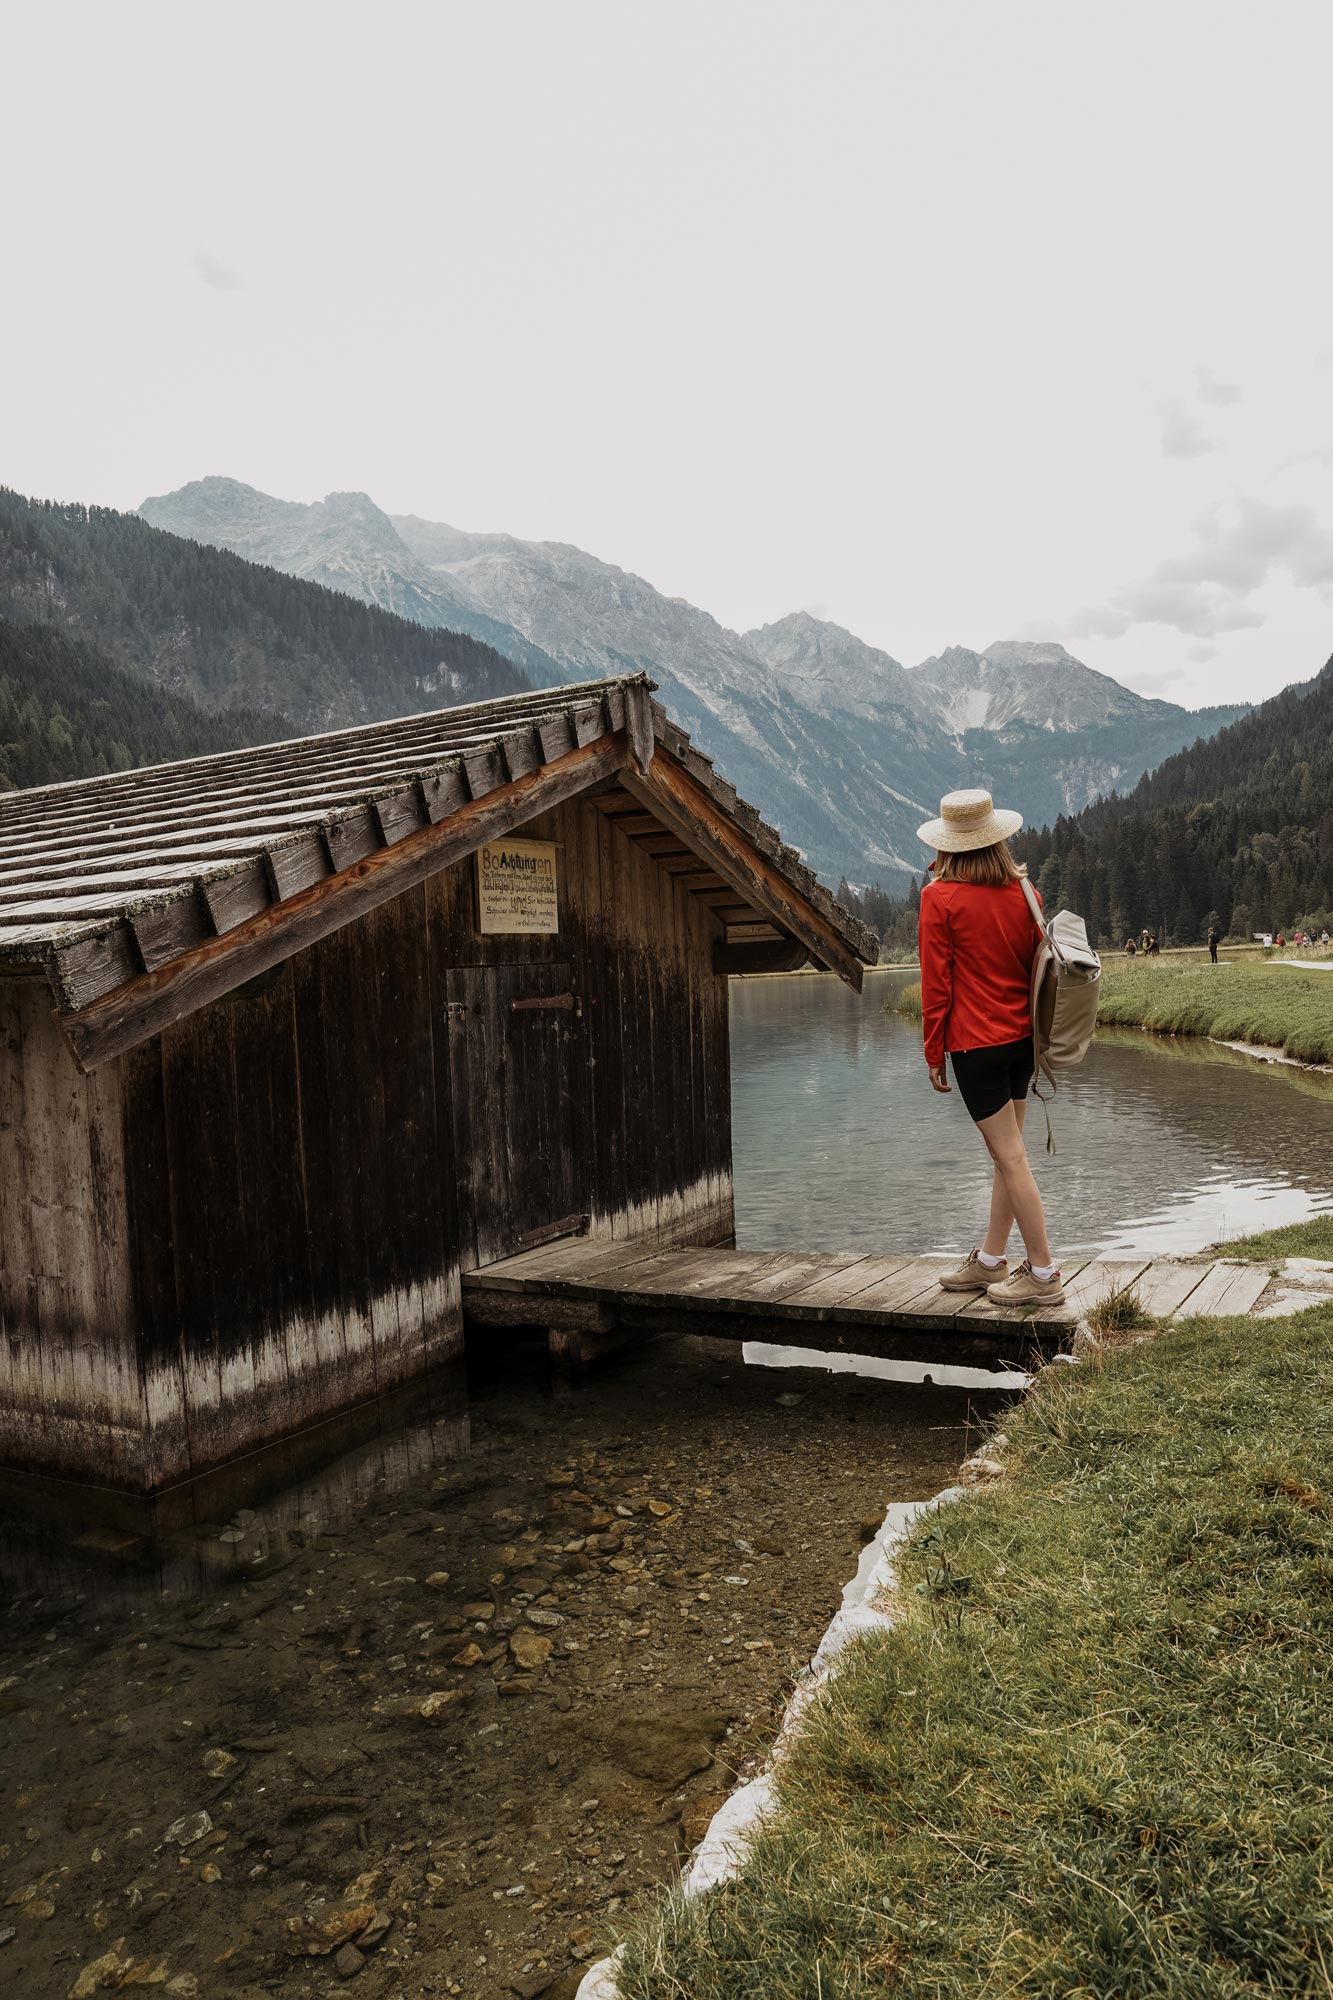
x: 977, y: 942
x: 1213, y: 943
x: 1130, y: 948
x: 1153, y: 947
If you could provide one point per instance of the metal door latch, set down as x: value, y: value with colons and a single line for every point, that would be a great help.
x: 456, y: 1010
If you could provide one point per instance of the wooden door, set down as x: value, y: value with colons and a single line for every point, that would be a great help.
x: 513, y: 1033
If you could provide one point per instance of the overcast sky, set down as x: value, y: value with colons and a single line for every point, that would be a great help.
x: 951, y: 322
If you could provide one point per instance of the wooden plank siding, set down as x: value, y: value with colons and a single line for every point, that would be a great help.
x: 310, y: 1263
x: 70, y: 1389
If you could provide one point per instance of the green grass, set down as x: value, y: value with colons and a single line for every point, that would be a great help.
x: 1313, y: 1238
x: 907, y: 1000
x: 1094, y: 1759
x: 1249, y: 1000
x: 1121, y: 1310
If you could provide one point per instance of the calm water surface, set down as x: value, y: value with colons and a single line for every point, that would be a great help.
x: 1163, y: 1146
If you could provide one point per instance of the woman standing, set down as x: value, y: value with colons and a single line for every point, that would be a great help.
x: 977, y: 944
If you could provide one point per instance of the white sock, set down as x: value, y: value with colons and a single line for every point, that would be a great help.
x: 1043, y: 1273
x: 991, y: 1263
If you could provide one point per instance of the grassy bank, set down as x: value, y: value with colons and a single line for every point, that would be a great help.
x: 1313, y: 1238
x: 1284, y: 1007
x: 1095, y: 1757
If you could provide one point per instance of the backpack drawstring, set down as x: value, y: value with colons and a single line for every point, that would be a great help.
x: 1044, y: 1097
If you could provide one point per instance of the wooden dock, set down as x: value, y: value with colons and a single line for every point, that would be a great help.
x: 591, y: 1293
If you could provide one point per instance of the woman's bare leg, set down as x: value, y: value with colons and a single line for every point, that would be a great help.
x: 1001, y: 1208
x: 1003, y: 1134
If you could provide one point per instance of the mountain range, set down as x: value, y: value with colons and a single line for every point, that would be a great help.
x: 838, y: 742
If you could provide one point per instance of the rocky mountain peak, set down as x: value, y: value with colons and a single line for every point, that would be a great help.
x: 1029, y: 653
x: 1036, y: 682
x: 826, y: 666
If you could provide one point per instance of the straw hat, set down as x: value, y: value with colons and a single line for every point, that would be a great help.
x: 967, y: 819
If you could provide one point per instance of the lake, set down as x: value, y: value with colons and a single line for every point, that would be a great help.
x: 1164, y: 1145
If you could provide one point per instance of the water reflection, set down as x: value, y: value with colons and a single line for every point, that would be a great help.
x: 73, y: 1543
x: 1163, y: 1146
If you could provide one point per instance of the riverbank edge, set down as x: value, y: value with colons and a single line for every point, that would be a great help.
x: 1252, y: 1005
x: 867, y: 1606
x: 874, y: 1602
x: 1246, y: 1043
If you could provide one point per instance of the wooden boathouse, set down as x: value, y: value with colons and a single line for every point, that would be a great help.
x: 294, y: 1038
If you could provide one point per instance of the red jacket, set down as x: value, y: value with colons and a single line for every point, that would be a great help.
x: 976, y: 946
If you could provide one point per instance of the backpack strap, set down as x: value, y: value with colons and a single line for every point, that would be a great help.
x: 1040, y: 1066
x: 1043, y: 1098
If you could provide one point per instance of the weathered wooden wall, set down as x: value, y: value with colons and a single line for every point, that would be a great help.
x: 652, y: 1105
x: 291, y: 1199
x: 70, y: 1393
x: 273, y: 1233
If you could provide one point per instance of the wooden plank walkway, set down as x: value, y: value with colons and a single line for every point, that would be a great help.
x: 888, y: 1307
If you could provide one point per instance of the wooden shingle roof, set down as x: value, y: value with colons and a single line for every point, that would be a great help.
x: 108, y: 883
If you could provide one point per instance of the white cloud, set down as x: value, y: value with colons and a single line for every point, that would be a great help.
x: 1211, y: 389
x: 215, y: 273
x: 1208, y: 589
x: 1183, y: 436
x: 1322, y: 457
x: 1152, y: 682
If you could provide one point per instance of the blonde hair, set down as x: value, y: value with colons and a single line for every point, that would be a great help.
x: 991, y: 867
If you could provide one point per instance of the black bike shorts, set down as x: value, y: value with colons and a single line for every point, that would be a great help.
x: 988, y: 1079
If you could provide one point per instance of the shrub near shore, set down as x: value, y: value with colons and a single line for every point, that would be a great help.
x: 1094, y: 1755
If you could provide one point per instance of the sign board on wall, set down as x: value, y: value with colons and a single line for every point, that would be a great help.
x: 516, y: 887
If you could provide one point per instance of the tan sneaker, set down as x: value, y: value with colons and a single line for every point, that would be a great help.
x: 972, y: 1275
x: 1022, y: 1289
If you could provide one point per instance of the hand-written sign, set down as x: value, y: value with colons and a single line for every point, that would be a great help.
x: 516, y: 888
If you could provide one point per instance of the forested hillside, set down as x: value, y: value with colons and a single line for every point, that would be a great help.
x: 67, y: 711
x: 227, y: 633
x: 1237, y: 831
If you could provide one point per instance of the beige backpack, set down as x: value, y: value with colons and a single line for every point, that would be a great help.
x: 1066, y: 987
